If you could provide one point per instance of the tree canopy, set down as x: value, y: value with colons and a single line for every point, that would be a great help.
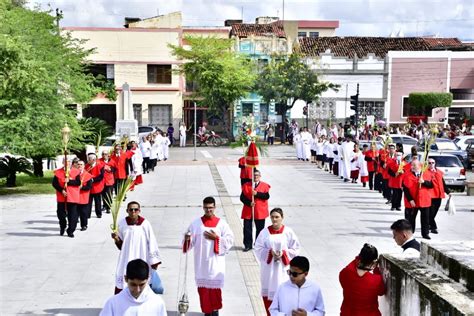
x: 221, y: 75
x: 41, y: 71
x: 423, y: 100
x: 286, y: 80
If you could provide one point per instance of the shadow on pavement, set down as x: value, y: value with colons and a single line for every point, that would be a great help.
x: 34, y: 234
x: 73, y: 311
x: 41, y: 222
x: 173, y: 313
x: 44, y: 228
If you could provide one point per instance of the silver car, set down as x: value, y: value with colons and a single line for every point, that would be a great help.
x: 454, y: 172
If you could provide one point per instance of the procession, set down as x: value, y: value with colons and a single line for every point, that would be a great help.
x: 236, y: 158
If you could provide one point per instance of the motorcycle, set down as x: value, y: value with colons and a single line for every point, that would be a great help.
x: 209, y: 139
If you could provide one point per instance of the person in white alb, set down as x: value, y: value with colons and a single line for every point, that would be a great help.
x: 306, y: 139
x: 274, y: 248
x: 347, y: 153
x: 211, y: 238
x: 165, y: 146
x: 138, y: 298
x: 298, y: 144
x: 182, y: 135
x: 298, y: 296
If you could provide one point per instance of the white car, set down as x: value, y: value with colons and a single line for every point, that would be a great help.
x: 464, y: 141
x: 407, y: 141
x: 108, y: 146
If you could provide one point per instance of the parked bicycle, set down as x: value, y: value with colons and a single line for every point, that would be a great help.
x: 209, y: 139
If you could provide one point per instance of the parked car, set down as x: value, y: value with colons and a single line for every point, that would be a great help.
x: 446, y: 146
x: 144, y: 131
x: 407, y: 141
x: 453, y: 168
x: 108, y: 146
x: 470, y: 155
x: 464, y: 141
x: 379, y: 145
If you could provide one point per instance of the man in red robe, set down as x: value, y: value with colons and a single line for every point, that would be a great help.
x: 120, y: 158
x: 417, y: 187
x: 67, y: 197
x: 370, y: 157
x: 395, y: 168
x: 438, y: 192
x: 245, y: 172
x: 84, y: 193
x: 259, y: 203
x: 96, y: 169
x: 109, y: 180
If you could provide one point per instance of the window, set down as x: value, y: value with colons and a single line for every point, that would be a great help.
x: 159, y: 73
x: 447, y: 145
x: 247, y: 109
x: 447, y: 161
x: 314, y: 34
x: 263, y: 113
x: 301, y: 34
x: 409, y: 141
x: 137, y: 113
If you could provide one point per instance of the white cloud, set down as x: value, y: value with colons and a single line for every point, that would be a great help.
x: 357, y: 17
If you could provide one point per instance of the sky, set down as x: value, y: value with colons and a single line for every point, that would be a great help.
x: 443, y: 18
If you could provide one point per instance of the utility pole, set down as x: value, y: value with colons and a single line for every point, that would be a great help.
x: 195, y: 130
x: 59, y: 16
x: 355, y: 106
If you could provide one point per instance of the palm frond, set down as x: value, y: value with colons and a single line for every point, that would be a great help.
x: 122, y: 190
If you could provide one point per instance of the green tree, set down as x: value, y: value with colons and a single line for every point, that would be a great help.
x: 287, y: 80
x: 221, y: 75
x: 10, y: 166
x: 41, y: 71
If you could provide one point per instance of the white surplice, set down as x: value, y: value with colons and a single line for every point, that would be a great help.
x: 290, y: 297
x: 306, y: 143
x: 137, y: 162
x: 363, y: 171
x: 158, y: 146
x: 209, y: 267
x: 165, y: 145
x: 138, y: 242
x: 274, y: 273
x: 124, y: 304
x: 347, y: 149
x: 299, y: 146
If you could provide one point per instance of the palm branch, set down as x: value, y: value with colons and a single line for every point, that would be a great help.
x: 122, y: 190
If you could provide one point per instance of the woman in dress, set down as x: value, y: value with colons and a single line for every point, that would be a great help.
x: 362, y: 283
x: 275, y: 247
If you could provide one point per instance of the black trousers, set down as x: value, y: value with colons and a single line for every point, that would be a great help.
x: 97, y: 199
x: 107, y: 194
x: 378, y: 182
x: 248, y: 238
x: 435, y: 204
x: 396, y: 198
x: 371, y: 180
x: 71, y: 216
x: 83, y: 211
x: 410, y: 215
x: 243, y: 181
x: 335, y: 168
x: 118, y: 184
x: 146, y: 164
x: 387, y: 192
x: 330, y: 161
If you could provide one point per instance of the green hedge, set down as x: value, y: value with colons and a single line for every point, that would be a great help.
x: 430, y: 99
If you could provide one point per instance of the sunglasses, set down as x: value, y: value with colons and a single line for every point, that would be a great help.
x: 134, y: 209
x: 431, y: 163
x: 293, y: 273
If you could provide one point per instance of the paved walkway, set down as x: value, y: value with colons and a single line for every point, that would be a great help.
x: 45, y: 274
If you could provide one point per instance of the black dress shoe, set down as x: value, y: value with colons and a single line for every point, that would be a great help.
x: 62, y: 230
x: 388, y: 202
x: 70, y: 235
x: 107, y: 211
x: 84, y: 228
x: 392, y: 209
x: 99, y: 216
x: 434, y: 231
x: 247, y: 249
x: 399, y: 209
x: 426, y: 237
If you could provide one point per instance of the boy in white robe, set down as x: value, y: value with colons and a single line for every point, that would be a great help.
x: 363, y: 171
x: 165, y: 145
x: 306, y: 139
x: 211, y: 238
x: 298, y: 296
x: 159, y: 146
x: 299, y: 146
x: 347, y: 150
x: 137, y: 298
x: 135, y: 240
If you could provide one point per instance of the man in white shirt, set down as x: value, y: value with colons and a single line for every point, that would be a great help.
x: 298, y: 296
x: 137, y: 298
x: 403, y: 235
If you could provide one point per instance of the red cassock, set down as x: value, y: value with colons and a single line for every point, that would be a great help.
x: 438, y: 186
x: 97, y: 187
x: 84, y: 194
x: 394, y: 182
x: 245, y: 172
x: 360, y: 293
x: 108, y: 172
x: 421, y: 195
x: 121, y: 163
x: 261, y: 205
x: 72, y: 191
x: 383, y: 155
x: 371, y: 163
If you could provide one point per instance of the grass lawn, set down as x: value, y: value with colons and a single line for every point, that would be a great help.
x: 29, y: 185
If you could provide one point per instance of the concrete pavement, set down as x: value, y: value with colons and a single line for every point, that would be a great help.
x: 45, y: 274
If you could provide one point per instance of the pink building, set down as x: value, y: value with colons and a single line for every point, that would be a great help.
x: 430, y: 71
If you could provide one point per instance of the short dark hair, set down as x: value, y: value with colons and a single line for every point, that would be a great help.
x: 133, y: 202
x: 209, y: 200
x: 277, y: 210
x: 300, y: 262
x: 137, y: 270
x: 401, y: 225
x: 256, y: 170
x: 365, y: 146
x: 368, y: 254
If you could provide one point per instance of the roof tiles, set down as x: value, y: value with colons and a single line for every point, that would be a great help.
x: 247, y: 30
